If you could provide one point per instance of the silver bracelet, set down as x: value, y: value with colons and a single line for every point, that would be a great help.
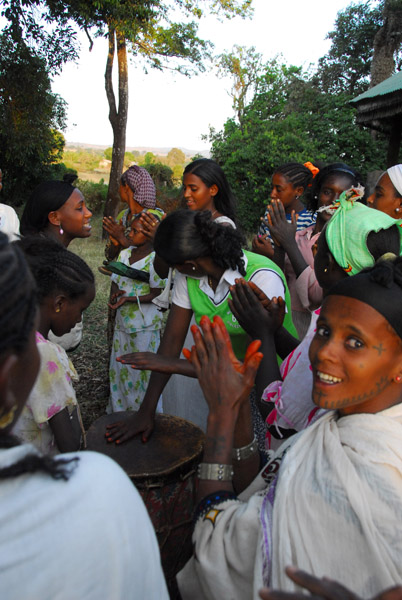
x: 215, y: 472
x: 245, y: 451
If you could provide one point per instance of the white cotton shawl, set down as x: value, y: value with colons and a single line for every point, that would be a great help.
x: 338, y: 504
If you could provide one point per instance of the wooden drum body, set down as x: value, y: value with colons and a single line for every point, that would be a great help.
x: 163, y: 470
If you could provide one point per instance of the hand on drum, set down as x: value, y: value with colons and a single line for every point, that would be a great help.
x: 253, y: 310
x: 122, y: 431
x: 225, y: 381
x: 322, y: 589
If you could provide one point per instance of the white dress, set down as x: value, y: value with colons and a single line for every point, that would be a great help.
x: 88, y: 538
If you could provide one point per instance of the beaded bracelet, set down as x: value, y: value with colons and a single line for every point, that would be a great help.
x: 245, y: 451
x: 215, y: 472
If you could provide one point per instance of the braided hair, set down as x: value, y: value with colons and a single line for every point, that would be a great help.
x: 56, y: 268
x: 18, y: 298
x: 296, y: 173
x: 211, y: 174
x: 185, y: 235
x: 18, y: 307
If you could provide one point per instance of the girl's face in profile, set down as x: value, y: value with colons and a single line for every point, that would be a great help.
x: 75, y: 217
x: 385, y: 199
x: 198, y: 196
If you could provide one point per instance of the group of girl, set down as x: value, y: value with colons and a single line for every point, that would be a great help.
x: 339, y: 479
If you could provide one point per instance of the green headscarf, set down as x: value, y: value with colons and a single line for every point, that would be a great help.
x: 347, y: 231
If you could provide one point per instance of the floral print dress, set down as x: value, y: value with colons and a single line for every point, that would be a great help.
x: 52, y: 393
x: 137, y: 329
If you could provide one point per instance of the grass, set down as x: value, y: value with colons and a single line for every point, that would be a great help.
x: 91, y: 357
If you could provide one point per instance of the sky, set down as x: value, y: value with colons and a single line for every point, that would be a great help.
x: 171, y: 110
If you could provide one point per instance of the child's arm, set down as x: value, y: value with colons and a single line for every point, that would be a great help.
x: 66, y: 430
x: 119, y: 298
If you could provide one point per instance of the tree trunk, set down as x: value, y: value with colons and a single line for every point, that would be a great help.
x: 387, y: 41
x: 117, y: 117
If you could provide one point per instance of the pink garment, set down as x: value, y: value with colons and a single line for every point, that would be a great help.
x: 305, y: 293
x: 292, y: 408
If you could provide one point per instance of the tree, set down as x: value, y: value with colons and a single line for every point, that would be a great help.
x: 175, y: 157
x: 108, y: 153
x: 346, y: 67
x: 387, y: 42
x: 244, y: 66
x: 30, y: 117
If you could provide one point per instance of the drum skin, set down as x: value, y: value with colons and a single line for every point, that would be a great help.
x: 163, y: 470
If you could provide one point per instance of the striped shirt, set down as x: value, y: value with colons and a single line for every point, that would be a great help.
x: 305, y: 219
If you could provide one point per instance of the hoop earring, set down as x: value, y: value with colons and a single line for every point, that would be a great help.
x: 8, y: 418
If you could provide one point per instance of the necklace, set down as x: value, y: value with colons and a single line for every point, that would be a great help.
x: 214, y: 213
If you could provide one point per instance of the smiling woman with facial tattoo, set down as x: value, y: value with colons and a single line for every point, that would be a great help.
x: 330, y: 500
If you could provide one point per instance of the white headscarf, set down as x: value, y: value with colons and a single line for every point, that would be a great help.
x: 395, y: 174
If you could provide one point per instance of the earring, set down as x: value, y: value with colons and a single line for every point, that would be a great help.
x: 326, y: 270
x: 193, y: 268
x: 8, y: 418
x: 397, y: 209
x: 58, y: 309
x: 398, y: 379
x: 61, y: 231
x: 297, y: 197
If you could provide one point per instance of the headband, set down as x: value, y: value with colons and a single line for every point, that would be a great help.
x: 377, y: 288
x: 395, y: 175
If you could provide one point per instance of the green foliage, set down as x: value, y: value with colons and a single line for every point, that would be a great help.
x: 94, y: 194
x: 30, y: 117
x: 161, y: 174
x: 289, y: 119
x: 175, y: 157
x: 82, y: 159
x: 346, y: 67
x: 149, y: 158
x: 108, y: 153
x: 129, y: 158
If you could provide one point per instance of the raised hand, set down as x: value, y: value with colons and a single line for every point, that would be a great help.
x: 262, y: 245
x: 115, y: 230
x: 254, y: 311
x: 149, y: 224
x: 282, y: 230
x: 225, y: 381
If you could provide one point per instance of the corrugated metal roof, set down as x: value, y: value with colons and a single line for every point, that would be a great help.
x: 388, y: 86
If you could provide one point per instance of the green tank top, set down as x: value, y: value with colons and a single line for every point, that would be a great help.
x: 203, y: 305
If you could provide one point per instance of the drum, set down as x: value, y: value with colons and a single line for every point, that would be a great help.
x: 163, y: 470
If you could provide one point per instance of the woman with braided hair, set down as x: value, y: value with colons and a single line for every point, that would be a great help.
x: 51, y: 418
x: 49, y: 548
x: 208, y: 258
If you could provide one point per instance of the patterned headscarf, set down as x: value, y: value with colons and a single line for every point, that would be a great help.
x: 395, y: 174
x: 140, y: 182
x: 347, y: 231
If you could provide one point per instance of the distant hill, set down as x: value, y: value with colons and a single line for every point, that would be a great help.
x: 142, y: 149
